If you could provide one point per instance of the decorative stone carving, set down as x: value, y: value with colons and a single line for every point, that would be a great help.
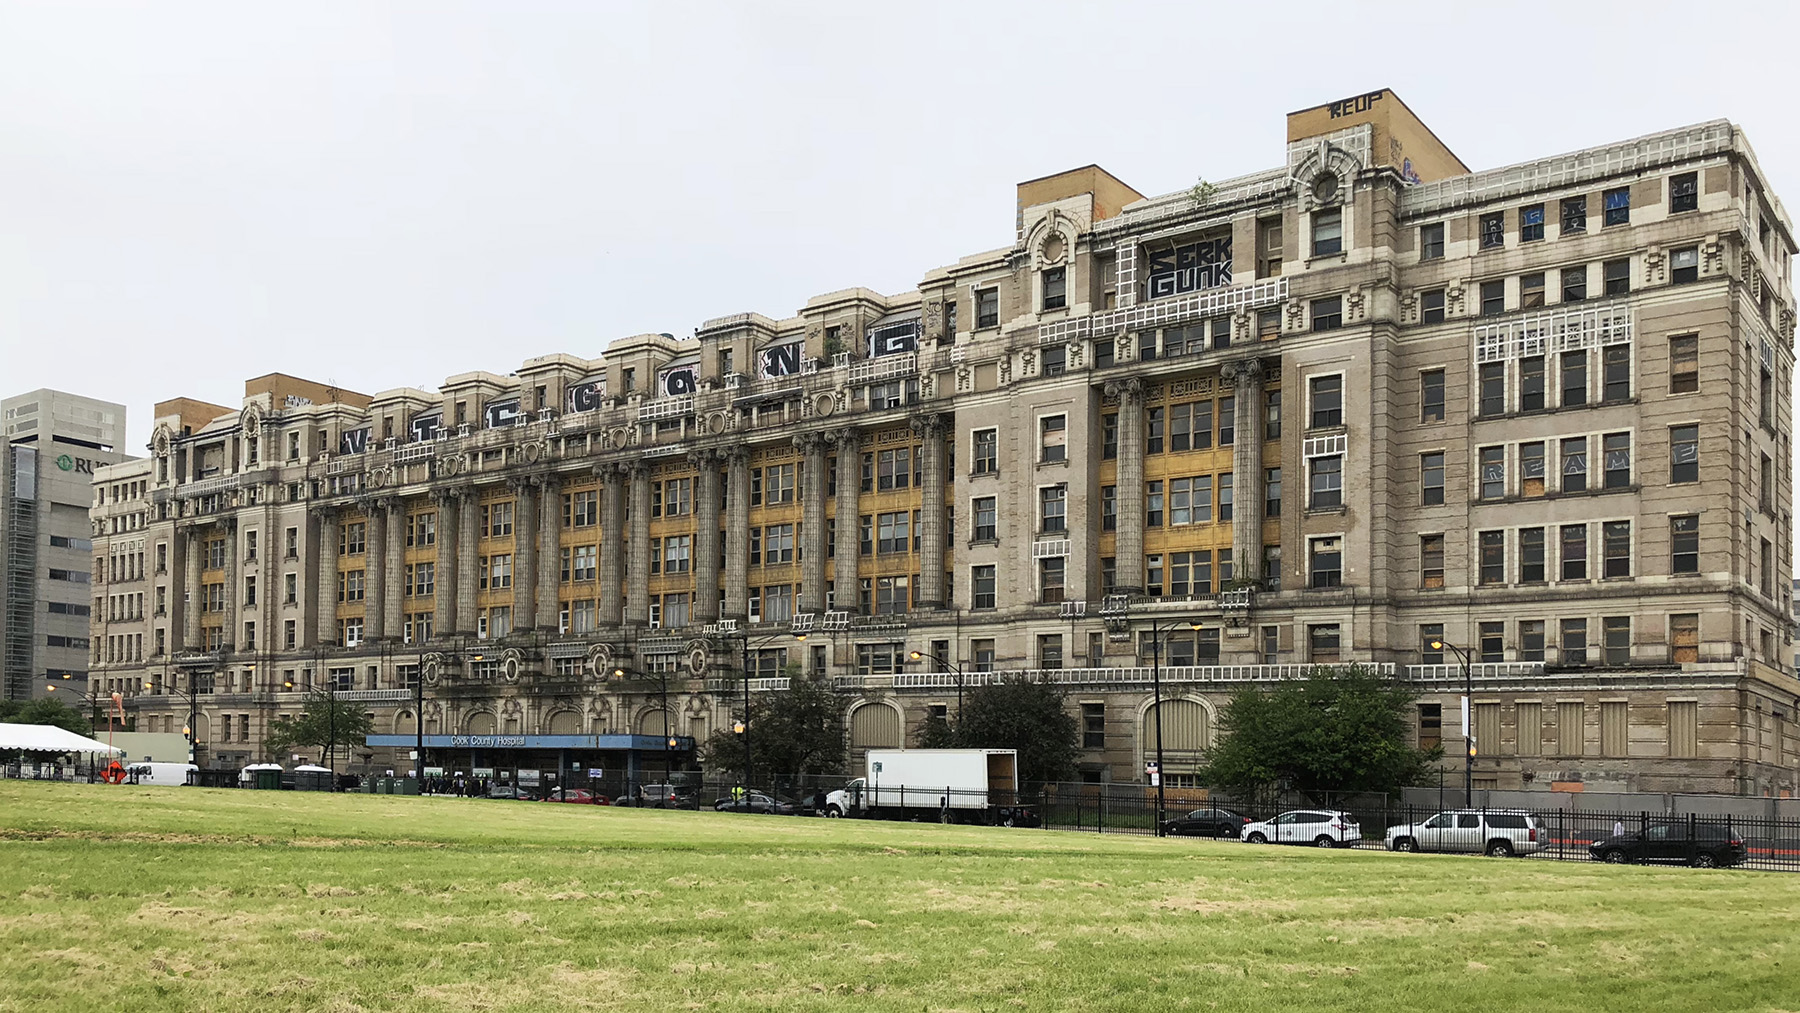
x: 512, y: 663
x: 432, y: 668
x: 600, y: 660
x: 698, y: 657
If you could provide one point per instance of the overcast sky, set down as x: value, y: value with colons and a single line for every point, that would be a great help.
x: 382, y: 195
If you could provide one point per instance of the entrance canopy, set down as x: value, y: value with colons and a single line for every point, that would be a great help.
x: 49, y: 739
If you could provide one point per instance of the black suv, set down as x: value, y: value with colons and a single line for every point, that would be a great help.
x: 1206, y: 823
x: 1709, y: 844
x: 661, y: 796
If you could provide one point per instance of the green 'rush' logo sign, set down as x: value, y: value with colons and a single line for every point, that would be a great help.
x: 75, y: 464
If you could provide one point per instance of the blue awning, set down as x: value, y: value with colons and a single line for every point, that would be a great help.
x: 639, y: 743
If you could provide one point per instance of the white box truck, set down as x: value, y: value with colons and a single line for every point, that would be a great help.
x: 946, y: 785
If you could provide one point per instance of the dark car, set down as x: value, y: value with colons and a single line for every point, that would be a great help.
x: 660, y: 796
x: 754, y: 802
x: 1017, y: 816
x: 1214, y: 822
x: 1701, y: 844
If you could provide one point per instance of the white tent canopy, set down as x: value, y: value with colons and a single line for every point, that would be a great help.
x: 49, y: 739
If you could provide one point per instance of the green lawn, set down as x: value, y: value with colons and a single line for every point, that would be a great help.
x: 147, y: 899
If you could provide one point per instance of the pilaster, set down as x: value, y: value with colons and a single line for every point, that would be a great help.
x: 1128, y: 554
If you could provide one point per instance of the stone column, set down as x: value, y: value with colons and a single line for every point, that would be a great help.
x: 1246, y: 378
x: 849, y: 531
x: 234, y: 623
x: 375, y: 572
x: 525, y: 554
x: 325, y: 592
x: 812, y: 539
x: 737, y: 536
x: 1128, y: 552
x: 393, y: 592
x: 637, y: 578
x: 931, y: 511
x: 612, y: 542
x: 191, y: 601
x: 706, y: 537
x: 549, y: 575
x: 468, y: 535
x: 444, y: 582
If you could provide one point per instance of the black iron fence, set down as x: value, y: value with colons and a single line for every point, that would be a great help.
x: 1370, y: 822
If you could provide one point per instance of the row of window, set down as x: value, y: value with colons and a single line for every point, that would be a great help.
x: 1684, y: 196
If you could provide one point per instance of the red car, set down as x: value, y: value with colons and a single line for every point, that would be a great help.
x: 581, y: 795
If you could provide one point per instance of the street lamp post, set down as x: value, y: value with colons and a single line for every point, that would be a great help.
x: 742, y: 727
x: 662, y: 680
x: 1467, y: 729
x: 1115, y: 612
x: 193, y: 720
x: 953, y: 666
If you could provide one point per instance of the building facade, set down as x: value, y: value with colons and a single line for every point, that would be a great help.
x: 54, y: 445
x: 1332, y: 412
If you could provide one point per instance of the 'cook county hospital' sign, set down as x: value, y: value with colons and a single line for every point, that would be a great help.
x: 487, y: 741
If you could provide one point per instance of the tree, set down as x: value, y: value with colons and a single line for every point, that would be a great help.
x: 315, y: 726
x: 1021, y: 715
x: 1335, y: 730
x: 797, y: 731
x: 45, y: 711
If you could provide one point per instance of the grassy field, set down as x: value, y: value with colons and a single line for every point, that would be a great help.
x: 149, y: 899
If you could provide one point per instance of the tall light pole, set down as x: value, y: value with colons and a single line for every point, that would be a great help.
x: 742, y: 727
x: 1467, y: 730
x: 921, y: 655
x: 662, y: 679
x: 1115, y: 611
x: 190, y: 730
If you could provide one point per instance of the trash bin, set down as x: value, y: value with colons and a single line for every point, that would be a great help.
x: 409, y: 786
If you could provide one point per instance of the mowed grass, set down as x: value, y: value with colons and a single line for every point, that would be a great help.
x: 148, y: 899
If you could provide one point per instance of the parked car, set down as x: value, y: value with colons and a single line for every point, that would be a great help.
x: 581, y: 795
x: 1321, y: 828
x: 660, y: 796
x: 1709, y: 845
x: 1017, y: 816
x: 754, y: 802
x: 510, y: 791
x: 1500, y: 833
x: 1214, y: 822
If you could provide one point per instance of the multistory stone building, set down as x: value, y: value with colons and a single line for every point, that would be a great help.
x: 51, y: 444
x: 1333, y: 412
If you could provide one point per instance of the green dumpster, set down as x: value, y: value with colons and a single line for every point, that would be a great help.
x: 268, y: 780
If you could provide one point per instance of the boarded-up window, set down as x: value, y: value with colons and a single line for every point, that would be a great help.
x: 404, y: 723
x: 1531, y: 729
x: 1487, y: 729
x: 1431, y: 725
x: 1614, y: 729
x: 1684, y: 637
x: 651, y: 723
x: 1185, y: 728
x: 569, y: 723
x: 1568, y: 729
x: 874, y: 726
x: 480, y: 723
x: 1684, y: 728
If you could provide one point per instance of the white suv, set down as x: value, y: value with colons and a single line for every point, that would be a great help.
x: 1319, y: 827
x: 1501, y: 834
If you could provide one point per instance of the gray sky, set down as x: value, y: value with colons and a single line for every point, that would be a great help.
x: 382, y: 195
